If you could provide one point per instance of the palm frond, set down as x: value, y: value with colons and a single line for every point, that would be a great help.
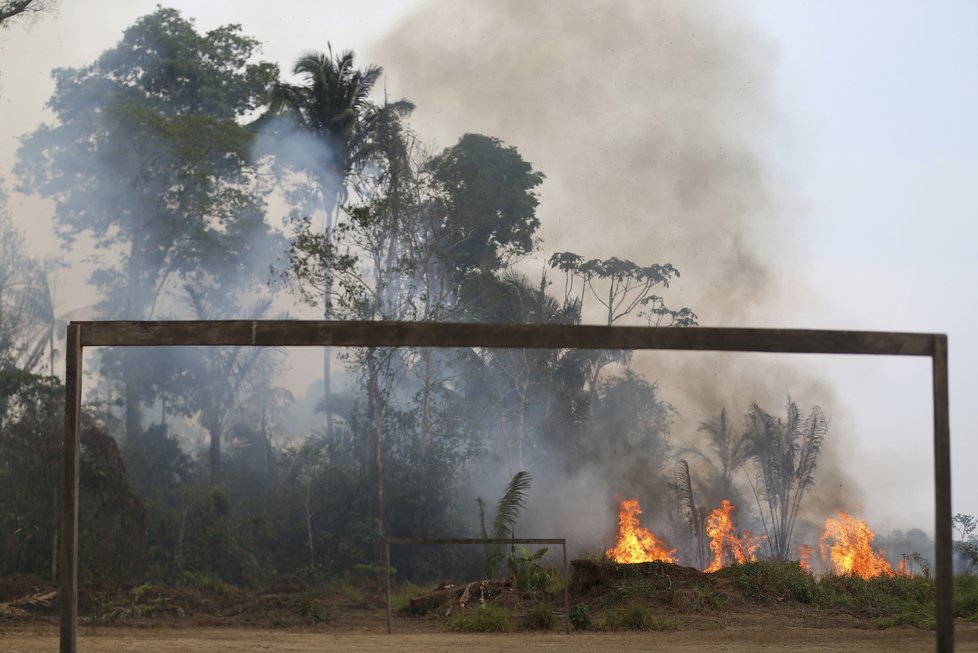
x: 512, y: 502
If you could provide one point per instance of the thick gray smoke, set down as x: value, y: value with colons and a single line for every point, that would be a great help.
x: 649, y: 120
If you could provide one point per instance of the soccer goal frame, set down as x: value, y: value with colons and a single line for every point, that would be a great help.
x: 291, y: 333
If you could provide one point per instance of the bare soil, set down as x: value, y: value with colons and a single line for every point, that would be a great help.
x: 35, y: 638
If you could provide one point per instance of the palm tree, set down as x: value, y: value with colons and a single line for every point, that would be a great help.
x: 331, y: 105
x: 732, y: 451
x: 786, y: 452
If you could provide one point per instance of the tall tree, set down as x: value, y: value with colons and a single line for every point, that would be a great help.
x: 20, y: 312
x: 786, y: 452
x: 621, y: 287
x: 486, y: 191
x: 333, y: 108
x: 148, y: 157
x: 731, y: 449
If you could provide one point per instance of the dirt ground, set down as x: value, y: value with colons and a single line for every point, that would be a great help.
x: 35, y: 638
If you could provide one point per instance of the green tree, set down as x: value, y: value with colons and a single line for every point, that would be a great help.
x: 486, y: 193
x: 30, y: 457
x: 967, y: 544
x: 332, y: 107
x: 149, y: 158
x: 622, y: 288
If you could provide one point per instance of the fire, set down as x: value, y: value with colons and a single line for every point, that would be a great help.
x: 635, y: 542
x: 724, y: 543
x: 851, y: 550
x: 805, y: 554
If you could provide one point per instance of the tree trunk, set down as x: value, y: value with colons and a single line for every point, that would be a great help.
x: 328, y: 315
x: 215, y: 452
x: 426, y: 401
x: 178, y: 554
x: 309, y: 511
x: 377, y: 416
x: 130, y: 389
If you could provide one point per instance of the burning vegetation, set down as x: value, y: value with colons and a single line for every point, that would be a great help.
x: 724, y: 542
x: 848, y: 543
x: 845, y: 544
x: 636, y: 543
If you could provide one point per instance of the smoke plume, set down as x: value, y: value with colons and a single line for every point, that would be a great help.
x: 650, y: 121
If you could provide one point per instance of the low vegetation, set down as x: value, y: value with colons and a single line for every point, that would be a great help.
x: 482, y: 619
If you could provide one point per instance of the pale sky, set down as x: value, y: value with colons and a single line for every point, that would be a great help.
x: 870, y: 142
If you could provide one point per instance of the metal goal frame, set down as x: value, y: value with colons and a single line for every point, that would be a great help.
x: 292, y: 333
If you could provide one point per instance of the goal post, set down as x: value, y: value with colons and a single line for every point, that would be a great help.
x: 293, y: 333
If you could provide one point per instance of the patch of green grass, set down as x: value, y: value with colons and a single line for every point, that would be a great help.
x: 348, y: 590
x: 402, y: 593
x: 768, y: 580
x: 630, y: 589
x: 697, y: 598
x: 635, y: 616
x: 211, y: 582
x: 484, y: 619
x: 893, y: 600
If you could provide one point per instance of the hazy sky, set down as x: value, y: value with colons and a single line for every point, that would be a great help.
x: 860, y: 117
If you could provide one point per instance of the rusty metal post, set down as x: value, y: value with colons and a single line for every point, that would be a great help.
x: 942, y: 499
x: 69, y: 502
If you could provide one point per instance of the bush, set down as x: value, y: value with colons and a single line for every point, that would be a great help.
x: 966, y: 597
x: 580, y: 617
x: 310, y: 610
x: 484, y: 619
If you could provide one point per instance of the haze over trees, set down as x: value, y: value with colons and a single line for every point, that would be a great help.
x: 11, y: 10
x: 164, y: 153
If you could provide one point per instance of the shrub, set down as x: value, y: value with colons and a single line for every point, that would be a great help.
x: 580, y: 617
x: 484, y: 619
x: 310, y: 609
x: 966, y: 597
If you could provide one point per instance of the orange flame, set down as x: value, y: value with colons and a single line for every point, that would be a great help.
x: 724, y: 540
x: 636, y: 543
x: 903, y: 569
x: 851, y: 551
x: 805, y: 554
